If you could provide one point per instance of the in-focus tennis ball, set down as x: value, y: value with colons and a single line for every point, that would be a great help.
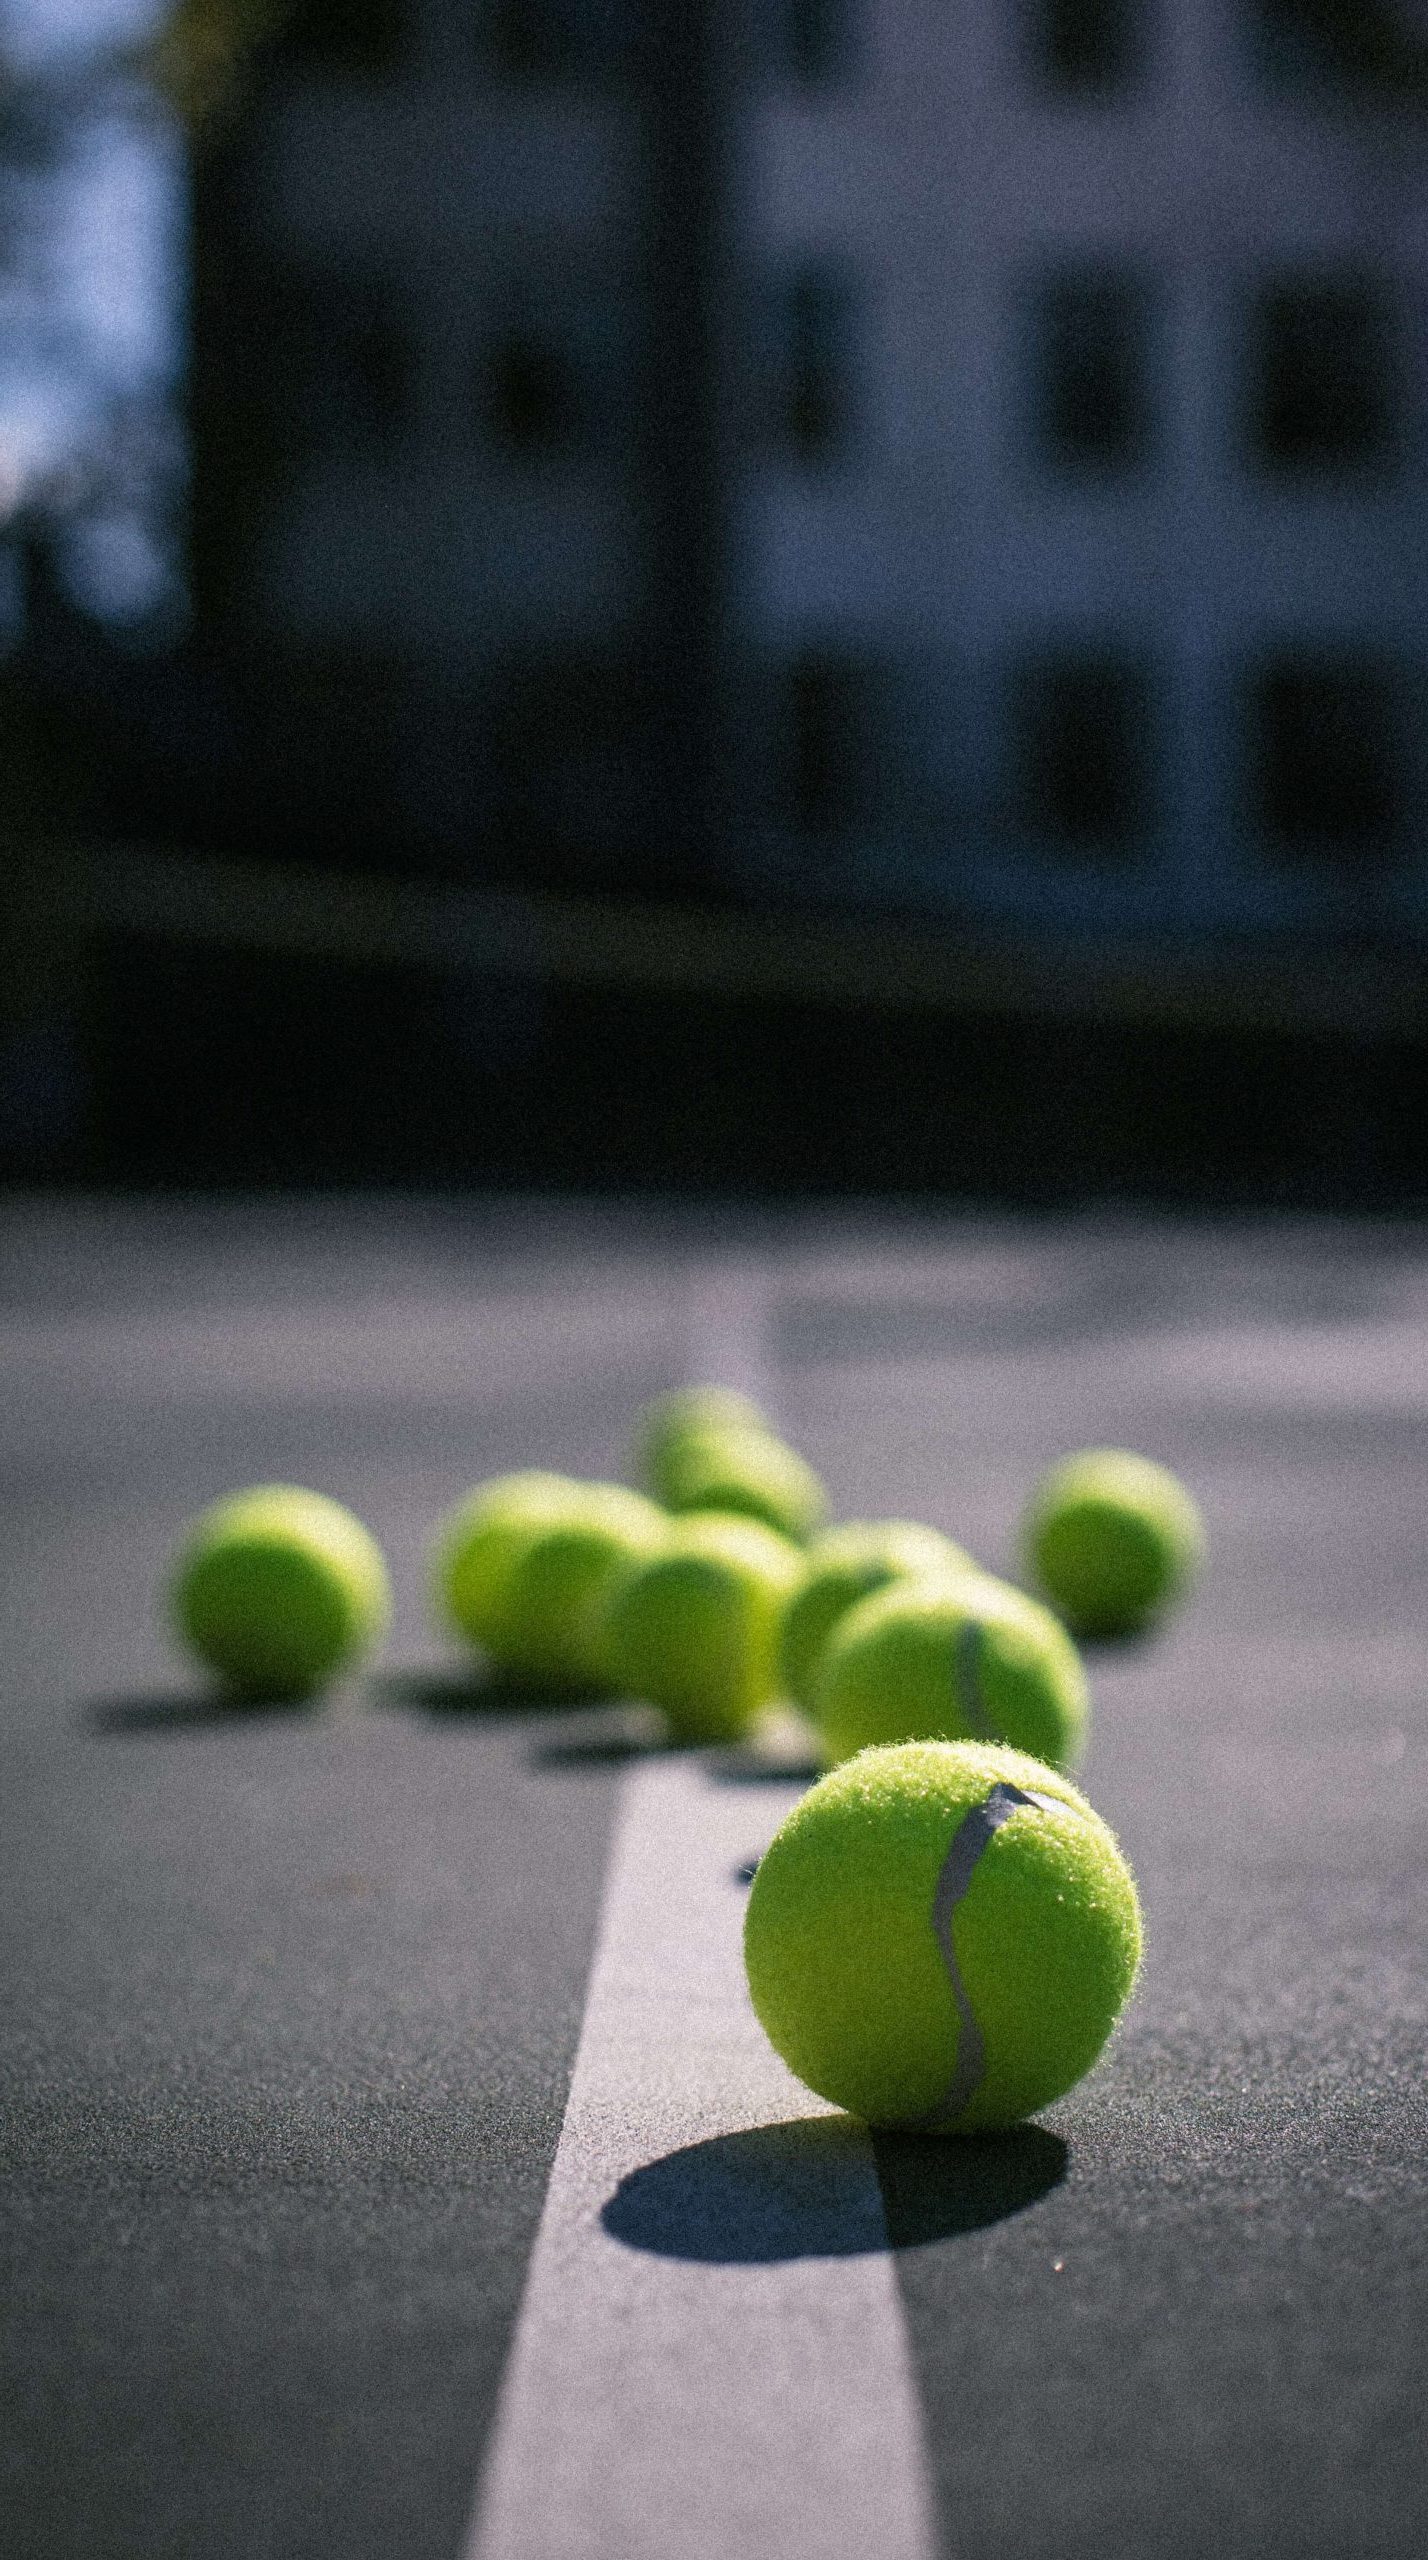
x: 695, y: 1629
x: 479, y: 1542
x: 969, y: 1661
x: 745, y: 1471
x: 276, y: 1589
x: 670, y: 1419
x: 552, y: 1601
x: 942, y: 1937
x: 1112, y: 1539
x: 846, y: 1565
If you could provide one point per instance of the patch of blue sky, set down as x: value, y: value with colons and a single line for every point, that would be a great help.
x: 45, y: 33
x: 91, y: 308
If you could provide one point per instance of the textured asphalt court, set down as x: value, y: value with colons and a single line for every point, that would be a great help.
x: 317, y: 2237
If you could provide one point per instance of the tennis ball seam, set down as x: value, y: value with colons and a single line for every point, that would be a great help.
x: 855, y: 1984
x: 972, y: 1837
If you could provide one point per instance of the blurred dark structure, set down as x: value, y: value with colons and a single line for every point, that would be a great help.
x: 617, y: 459
x: 467, y: 348
x: 808, y: 460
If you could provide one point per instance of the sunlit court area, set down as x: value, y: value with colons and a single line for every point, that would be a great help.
x: 713, y: 1279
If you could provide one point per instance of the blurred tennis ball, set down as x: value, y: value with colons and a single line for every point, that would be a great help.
x: 969, y: 1661
x: 846, y: 1565
x: 480, y: 1540
x: 694, y: 1629
x: 277, y: 1589
x: 553, y: 1597
x: 740, y: 1470
x: 668, y: 1419
x: 1113, y: 1540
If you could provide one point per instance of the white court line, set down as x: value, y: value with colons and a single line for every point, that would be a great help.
x: 739, y: 2401
x: 727, y: 1332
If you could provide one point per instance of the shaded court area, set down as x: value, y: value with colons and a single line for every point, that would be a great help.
x: 293, y: 2001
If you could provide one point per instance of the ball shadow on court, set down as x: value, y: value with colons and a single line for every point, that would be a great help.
x: 794, y: 1766
x: 1125, y: 1646
x: 474, y: 1691
x: 802, y: 2190
x: 614, y: 1731
x: 193, y: 1711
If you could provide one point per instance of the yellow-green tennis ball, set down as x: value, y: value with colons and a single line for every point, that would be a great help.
x: 670, y: 1419
x: 695, y: 1629
x: 552, y: 1601
x: 479, y: 1542
x: 738, y: 1470
x: 971, y: 1660
x: 277, y: 1589
x: 942, y: 1936
x: 1113, y: 1540
x: 846, y: 1565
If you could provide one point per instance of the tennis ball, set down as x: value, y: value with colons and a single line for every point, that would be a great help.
x: 970, y: 1660
x: 276, y: 1589
x: 695, y: 1628
x: 479, y: 1542
x: 670, y: 1419
x: 745, y: 1471
x: 941, y: 1936
x: 848, y: 1564
x: 1112, y: 1539
x: 552, y: 1599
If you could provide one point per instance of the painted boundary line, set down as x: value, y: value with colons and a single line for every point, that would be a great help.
x: 711, y: 2361
x: 727, y: 1330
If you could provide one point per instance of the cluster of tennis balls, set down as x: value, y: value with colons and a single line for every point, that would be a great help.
x: 715, y: 1591
x: 718, y: 1591
x: 943, y: 1932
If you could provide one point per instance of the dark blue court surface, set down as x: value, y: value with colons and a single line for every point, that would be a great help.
x: 291, y: 1999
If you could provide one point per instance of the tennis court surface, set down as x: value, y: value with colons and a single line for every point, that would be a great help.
x: 391, y: 2164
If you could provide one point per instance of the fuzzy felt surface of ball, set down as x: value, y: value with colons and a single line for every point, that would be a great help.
x: 1113, y: 1540
x: 553, y: 1598
x: 971, y: 1660
x: 670, y: 1418
x: 694, y: 1630
x: 752, y: 1473
x: 276, y: 1589
x: 848, y: 1564
x: 480, y: 1541
x: 942, y: 1936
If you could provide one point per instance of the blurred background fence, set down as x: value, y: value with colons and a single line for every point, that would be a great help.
x: 798, y: 592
